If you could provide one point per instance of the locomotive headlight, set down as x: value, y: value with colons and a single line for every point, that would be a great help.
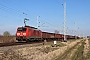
x: 18, y: 34
x: 24, y: 34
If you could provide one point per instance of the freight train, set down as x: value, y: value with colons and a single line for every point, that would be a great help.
x: 28, y: 33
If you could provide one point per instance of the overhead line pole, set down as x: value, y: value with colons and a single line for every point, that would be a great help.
x: 75, y: 30
x: 37, y: 21
x: 65, y: 21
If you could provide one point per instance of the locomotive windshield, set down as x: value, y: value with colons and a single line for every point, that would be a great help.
x: 21, y: 29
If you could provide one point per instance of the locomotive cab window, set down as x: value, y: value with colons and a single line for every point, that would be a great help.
x: 21, y: 29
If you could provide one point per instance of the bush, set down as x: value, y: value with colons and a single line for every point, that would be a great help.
x: 6, y: 33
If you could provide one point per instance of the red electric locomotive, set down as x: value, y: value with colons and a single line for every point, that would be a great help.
x: 28, y: 33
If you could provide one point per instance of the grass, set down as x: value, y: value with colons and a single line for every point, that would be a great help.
x: 52, y: 46
x: 59, y: 44
x: 47, y: 51
x: 61, y: 57
x: 79, y: 53
x: 88, y: 54
x: 7, y: 39
x: 32, y: 53
x: 44, y: 49
x: 11, y: 55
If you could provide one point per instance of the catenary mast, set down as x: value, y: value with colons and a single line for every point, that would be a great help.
x: 65, y: 39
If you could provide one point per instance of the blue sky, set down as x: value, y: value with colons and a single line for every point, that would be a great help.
x: 51, y: 12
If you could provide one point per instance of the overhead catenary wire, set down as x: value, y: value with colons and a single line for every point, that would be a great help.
x: 17, y: 12
x: 12, y: 11
x: 18, y: 9
x: 58, y: 2
x: 9, y: 11
x: 10, y: 17
x: 2, y: 8
x: 20, y: 12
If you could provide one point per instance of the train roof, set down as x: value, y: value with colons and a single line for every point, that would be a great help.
x: 32, y: 27
x: 51, y: 33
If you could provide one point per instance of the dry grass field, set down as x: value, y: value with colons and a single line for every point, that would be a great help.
x: 44, y: 52
x: 7, y: 39
x: 70, y: 50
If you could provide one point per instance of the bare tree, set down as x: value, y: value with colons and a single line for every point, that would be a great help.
x: 56, y: 31
x: 6, y: 33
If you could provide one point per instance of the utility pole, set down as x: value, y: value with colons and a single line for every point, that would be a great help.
x: 75, y: 30
x: 65, y: 21
x: 37, y: 21
x: 78, y: 31
x: 83, y: 34
x: 67, y: 30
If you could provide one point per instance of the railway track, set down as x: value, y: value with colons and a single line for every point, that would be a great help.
x: 23, y: 43
x: 17, y: 43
